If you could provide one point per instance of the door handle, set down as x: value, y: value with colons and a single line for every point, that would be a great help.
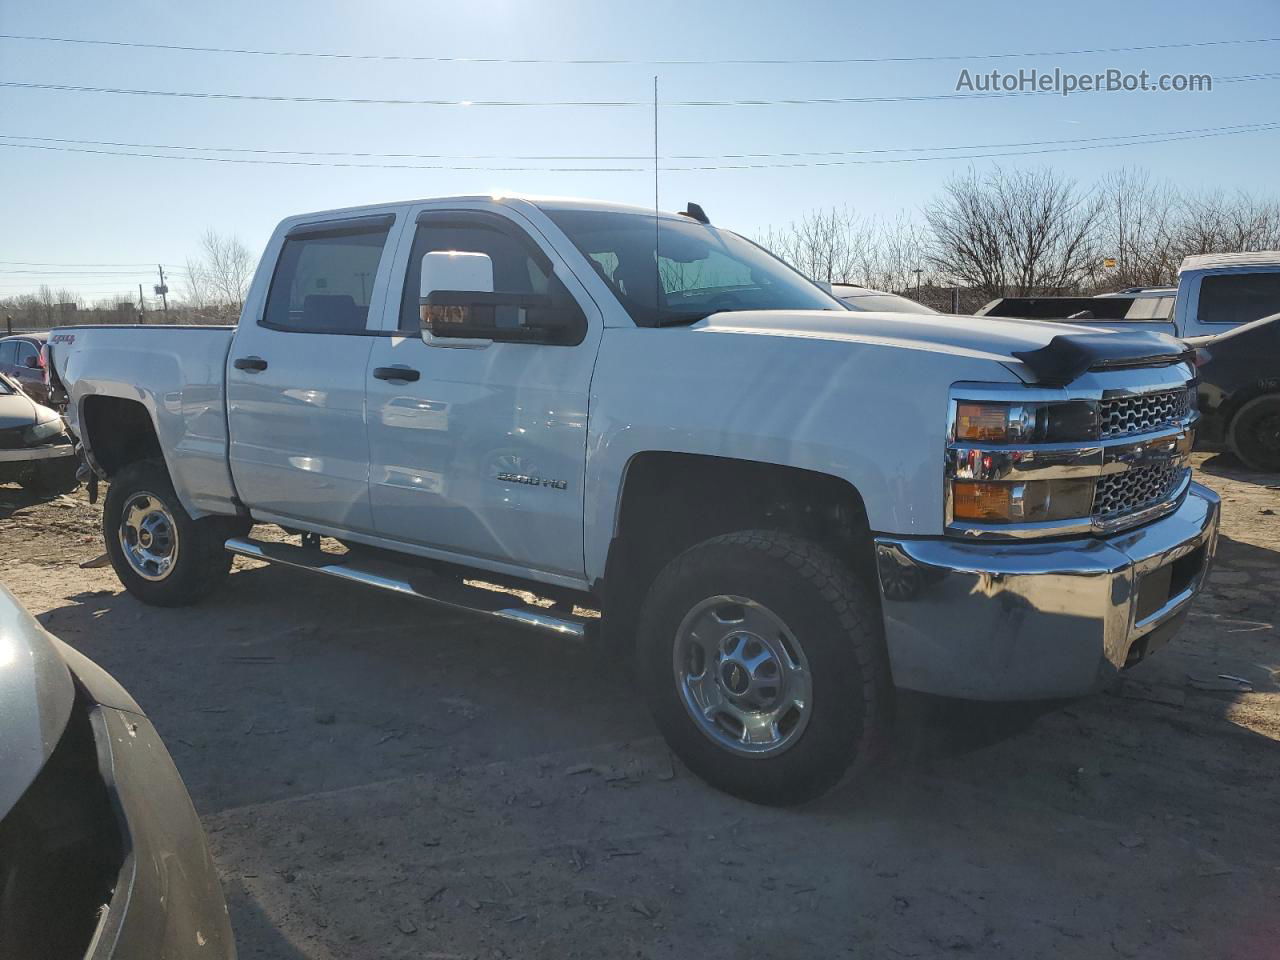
x: 396, y: 373
x: 250, y: 364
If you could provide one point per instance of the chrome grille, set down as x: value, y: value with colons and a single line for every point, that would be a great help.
x: 1142, y: 412
x: 1118, y: 494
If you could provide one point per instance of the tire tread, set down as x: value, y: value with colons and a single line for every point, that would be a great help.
x: 203, y: 541
x: 847, y: 600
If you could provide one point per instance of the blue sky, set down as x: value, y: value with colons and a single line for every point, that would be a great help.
x: 78, y: 208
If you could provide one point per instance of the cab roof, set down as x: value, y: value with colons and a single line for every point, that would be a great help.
x: 1215, y: 261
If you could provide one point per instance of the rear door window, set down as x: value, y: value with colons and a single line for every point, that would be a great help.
x: 324, y: 277
x: 8, y: 352
x: 1237, y: 298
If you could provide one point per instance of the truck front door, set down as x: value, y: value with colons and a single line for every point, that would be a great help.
x: 478, y: 450
x: 296, y: 377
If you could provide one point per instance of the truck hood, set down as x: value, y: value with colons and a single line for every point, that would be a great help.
x: 1024, y: 346
x: 36, y: 695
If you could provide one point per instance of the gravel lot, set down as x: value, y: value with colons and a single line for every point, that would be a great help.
x: 383, y: 780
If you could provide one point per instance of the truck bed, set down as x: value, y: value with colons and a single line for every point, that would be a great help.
x: 178, y: 374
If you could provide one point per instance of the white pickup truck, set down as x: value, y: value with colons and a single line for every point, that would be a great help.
x: 783, y: 509
x: 1216, y: 293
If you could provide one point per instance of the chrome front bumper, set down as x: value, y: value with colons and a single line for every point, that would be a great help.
x: 25, y: 454
x: 1040, y: 620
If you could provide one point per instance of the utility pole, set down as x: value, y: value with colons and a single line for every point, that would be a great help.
x: 142, y: 306
x: 918, y: 271
x: 164, y: 293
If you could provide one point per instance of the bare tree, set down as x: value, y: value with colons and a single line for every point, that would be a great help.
x: 1137, y: 224
x: 227, y: 267
x: 46, y: 309
x: 824, y: 245
x: 900, y: 247
x: 1215, y: 223
x: 196, y: 283
x: 1014, y: 233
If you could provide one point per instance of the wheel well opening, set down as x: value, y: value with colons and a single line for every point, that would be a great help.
x: 120, y: 432
x: 671, y: 501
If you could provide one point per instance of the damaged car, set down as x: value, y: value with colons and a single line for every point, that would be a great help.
x: 101, y: 852
x: 36, y: 450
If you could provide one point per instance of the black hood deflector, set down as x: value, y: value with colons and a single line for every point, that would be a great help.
x: 1068, y: 355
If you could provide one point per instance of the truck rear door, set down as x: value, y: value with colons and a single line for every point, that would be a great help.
x: 296, y: 375
x: 1221, y: 300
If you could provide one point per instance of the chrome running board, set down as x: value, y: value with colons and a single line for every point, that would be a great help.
x: 411, y: 582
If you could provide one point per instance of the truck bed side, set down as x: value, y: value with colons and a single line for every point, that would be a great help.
x: 176, y: 377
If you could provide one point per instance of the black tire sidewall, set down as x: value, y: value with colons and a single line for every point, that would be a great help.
x: 1241, y: 424
x: 844, y: 693
x: 200, y: 555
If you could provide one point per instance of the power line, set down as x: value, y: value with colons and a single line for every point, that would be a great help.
x: 384, y: 101
x: 969, y: 156
x: 633, y: 157
x: 316, y: 163
x: 597, y: 61
x: 81, y: 273
x: 349, y: 153
x: 1256, y: 128
x: 440, y: 102
x: 37, y: 263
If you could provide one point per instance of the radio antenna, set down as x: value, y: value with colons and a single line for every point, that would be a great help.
x: 657, y: 273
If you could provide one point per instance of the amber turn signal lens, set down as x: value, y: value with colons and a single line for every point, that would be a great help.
x: 982, y: 421
x: 981, y: 501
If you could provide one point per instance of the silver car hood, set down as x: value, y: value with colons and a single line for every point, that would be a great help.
x: 18, y: 410
x: 36, y: 696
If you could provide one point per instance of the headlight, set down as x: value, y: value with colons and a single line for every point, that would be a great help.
x: 1058, y: 463
x: 1060, y: 422
x: 1028, y: 501
x: 40, y: 432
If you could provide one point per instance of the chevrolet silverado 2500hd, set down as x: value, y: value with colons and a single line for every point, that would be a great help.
x: 784, y: 509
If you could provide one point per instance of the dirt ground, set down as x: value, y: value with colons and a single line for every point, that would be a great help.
x: 383, y: 780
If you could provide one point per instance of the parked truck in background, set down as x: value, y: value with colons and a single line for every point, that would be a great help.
x: 782, y: 508
x: 1239, y: 392
x: 1216, y: 292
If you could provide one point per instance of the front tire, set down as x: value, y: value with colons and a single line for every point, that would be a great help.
x: 764, y: 666
x: 161, y: 555
x: 1255, y: 434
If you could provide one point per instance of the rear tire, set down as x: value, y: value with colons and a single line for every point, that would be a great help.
x: 161, y: 555
x: 1254, y: 436
x: 764, y: 665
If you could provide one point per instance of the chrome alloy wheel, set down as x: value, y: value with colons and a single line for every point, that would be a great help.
x: 742, y: 676
x: 148, y: 536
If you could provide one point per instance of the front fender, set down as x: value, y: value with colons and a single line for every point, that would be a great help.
x: 871, y: 414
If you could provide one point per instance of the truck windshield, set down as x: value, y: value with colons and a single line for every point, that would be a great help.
x: 699, y: 270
